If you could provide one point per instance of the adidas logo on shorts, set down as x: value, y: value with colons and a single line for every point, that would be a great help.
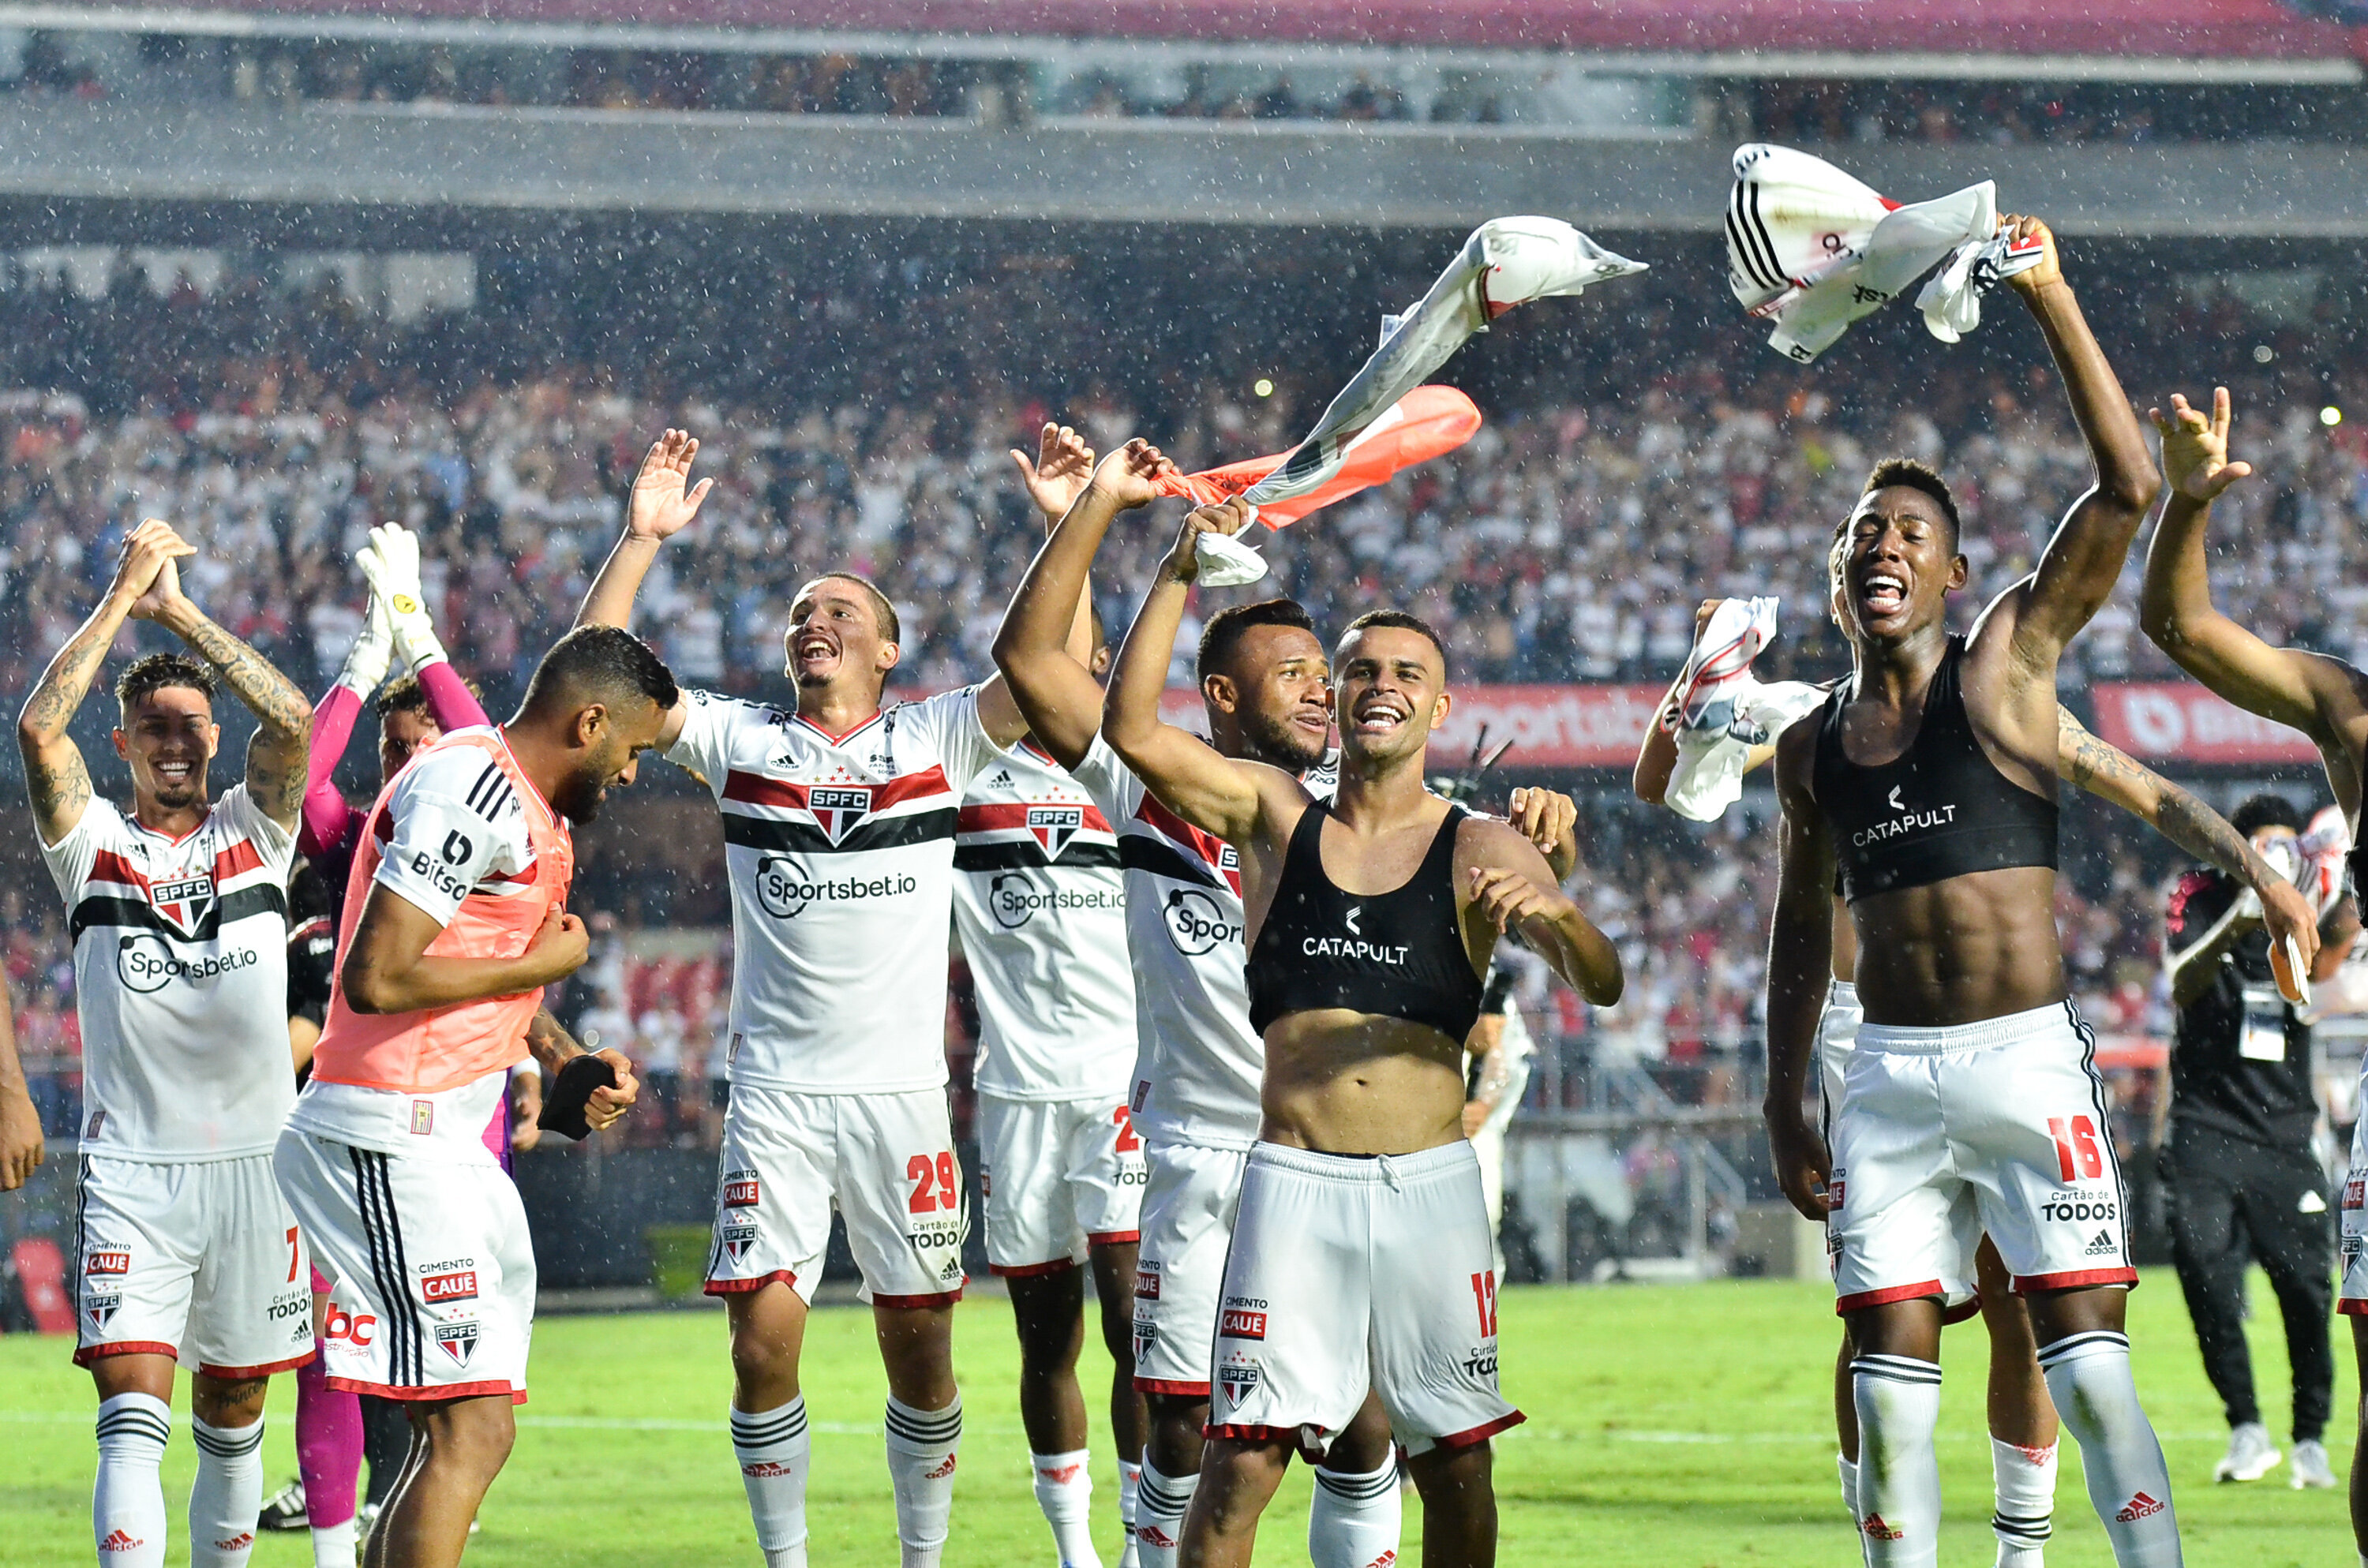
x: 2103, y: 1246
x: 2140, y: 1506
x: 1877, y: 1530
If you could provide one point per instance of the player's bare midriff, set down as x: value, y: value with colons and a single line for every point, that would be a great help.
x: 1348, y: 1083
x: 1975, y: 946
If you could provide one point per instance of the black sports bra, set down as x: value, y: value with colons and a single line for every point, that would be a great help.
x: 1939, y: 810
x: 1399, y: 954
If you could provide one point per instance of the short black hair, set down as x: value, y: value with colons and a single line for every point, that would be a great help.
x: 1404, y: 622
x: 407, y: 695
x: 1909, y: 474
x: 1222, y: 638
x: 149, y: 676
x: 601, y: 664
x: 2266, y: 809
x: 890, y: 626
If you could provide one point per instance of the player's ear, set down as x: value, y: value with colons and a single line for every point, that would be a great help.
x: 1439, y: 710
x: 122, y: 743
x: 1220, y: 693
x: 213, y: 740
x: 591, y: 722
x: 1960, y: 571
x: 889, y: 653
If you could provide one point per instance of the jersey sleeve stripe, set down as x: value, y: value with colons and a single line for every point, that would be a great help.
x: 481, y: 794
x: 100, y: 909
x: 1026, y: 854
x: 805, y: 839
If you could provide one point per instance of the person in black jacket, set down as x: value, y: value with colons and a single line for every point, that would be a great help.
x: 2243, y: 1182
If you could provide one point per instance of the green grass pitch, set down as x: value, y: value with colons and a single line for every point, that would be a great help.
x: 1671, y: 1427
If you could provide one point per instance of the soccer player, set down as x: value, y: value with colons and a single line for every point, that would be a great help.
x: 183, y: 1245
x: 1361, y: 1257
x: 455, y: 918
x: 2324, y: 698
x: 20, y: 1120
x: 2022, y: 1422
x: 838, y: 826
x: 1927, y: 783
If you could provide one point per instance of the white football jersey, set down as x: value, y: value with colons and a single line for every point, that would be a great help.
x: 842, y: 854
x: 1040, y: 905
x: 180, y: 980
x: 1198, y: 1066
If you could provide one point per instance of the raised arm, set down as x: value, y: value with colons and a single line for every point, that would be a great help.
x: 55, y: 772
x: 1800, y: 967
x: 391, y: 563
x: 389, y: 970
x: 1215, y: 793
x: 278, y: 755
x: 1037, y: 646
x: 657, y: 507
x: 2319, y: 695
x: 2082, y: 564
x: 327, y: 818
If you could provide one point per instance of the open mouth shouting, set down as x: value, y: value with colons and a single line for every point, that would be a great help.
x: 1882, y: 593
x: 814, y: 650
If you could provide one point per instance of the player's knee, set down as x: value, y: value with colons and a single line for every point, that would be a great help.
x: 1454, y: 1477
x: 472, y: 1436
x: 227, y: 1401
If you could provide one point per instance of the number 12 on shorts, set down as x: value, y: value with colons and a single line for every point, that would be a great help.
x: 2076, y: 1154
x: 1484, y: 1294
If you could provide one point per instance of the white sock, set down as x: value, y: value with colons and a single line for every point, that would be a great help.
x: 1849, y: 1467
x: 333, y: 1545
x: 2026, y: 1503
x: 1064, y: 1490
x: 1899, y: 1401
x: 2089, y: 1376
x: 1159, y: 1516
x: 1352, y: 1520
x: 773, y: 1447
x: 1129, y: 1482
x: 127, y: 1503
x: 923, y: 1446
x: 227, y: 1495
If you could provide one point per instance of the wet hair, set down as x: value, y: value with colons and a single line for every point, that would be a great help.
x: 150, y: 676
x: 892, y: 627
x: 407, y: 695
x: 1907, y: 473
x: 2265, y: 809
x: 1404, y: 622
x: 1222, y: 638
x: 599, y: 664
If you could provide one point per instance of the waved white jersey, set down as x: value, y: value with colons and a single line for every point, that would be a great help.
x: 842, y: 854
x: 1198, y: 1062
x: 180, y: 952
x: 1040, y: 905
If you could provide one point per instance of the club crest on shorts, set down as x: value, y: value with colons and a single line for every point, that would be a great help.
x: 1053, y: 826
x: 1239, y: 1380
x: 184, y: 901
x: 458, y: 1340
x: 735, y: 1240
x: 836, y: 808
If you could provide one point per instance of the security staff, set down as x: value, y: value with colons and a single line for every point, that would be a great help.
x: 2243, y: 1182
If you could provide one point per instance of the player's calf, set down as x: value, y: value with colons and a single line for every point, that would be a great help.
x: 462, y: 1445
x: 1459, y: 1504
x: 1238, y: 1476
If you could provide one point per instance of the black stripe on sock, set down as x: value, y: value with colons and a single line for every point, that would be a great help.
x: 1168, y: 1499
x: 924, y: 1427
x: 242, y: 1441
x: 1897, y: 1369
x: 2051, y: 1354
x: 1357, y: 1488
x: 769, y: 1427
x: 136, y: 1424
x: 2023, y: 1532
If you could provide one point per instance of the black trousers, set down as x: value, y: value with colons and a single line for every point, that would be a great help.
x: 2234, y: 1203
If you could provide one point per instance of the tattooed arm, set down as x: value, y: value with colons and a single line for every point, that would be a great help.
x: 55, y: 773
x: 555, y: 1048
x: 276, y: 758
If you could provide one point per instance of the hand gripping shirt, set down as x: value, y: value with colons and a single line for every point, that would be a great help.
x: 1198, y: 1062
x: 181, y: 953
x: 840, y: 850
x: 1040, y: 905
x: 462, y: 835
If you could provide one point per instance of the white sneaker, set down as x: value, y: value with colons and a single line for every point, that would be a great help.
x: 2309, y: 1467
x: 2251, y: 1454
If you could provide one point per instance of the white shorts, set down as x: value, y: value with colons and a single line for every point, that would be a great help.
x: 1350, y: 1274
x: 885, y: 1161
x: 1838, y: 1023
x: 1189, y: 1198
x: 431, y: 1269
x: 1997, y: 1126
x: 1059, y: 1176
x: 201, y: 1261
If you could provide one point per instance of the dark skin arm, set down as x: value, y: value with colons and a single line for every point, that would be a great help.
x: 389, y: 970
x: 1800, y: 960
x: 554, y: 1047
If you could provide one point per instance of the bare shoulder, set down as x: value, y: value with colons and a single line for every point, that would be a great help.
x: 1796, y: 752
x: 1483, y: 840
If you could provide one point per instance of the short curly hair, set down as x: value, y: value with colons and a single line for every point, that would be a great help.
x: 1907, y: 473
x: 147, y: 677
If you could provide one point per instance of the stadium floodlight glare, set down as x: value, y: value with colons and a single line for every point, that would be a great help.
x: 2330, y: 416
x: 2263, y: 354
x: 1263, y: 387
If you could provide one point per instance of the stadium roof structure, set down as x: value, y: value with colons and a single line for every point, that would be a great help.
x: 2157, y: 39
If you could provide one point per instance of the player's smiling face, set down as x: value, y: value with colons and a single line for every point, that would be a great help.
x: 1283, y: 686
x: 1899, y: 565
x: 167, y: 738
x: 835, y: 635
x: 1390, y: 691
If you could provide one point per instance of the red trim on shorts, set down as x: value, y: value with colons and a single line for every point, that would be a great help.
x: 2352, y: 1306
x: 2072, y: 1280
x: 934, y: 1298
x: 89, y: 1353
x: 1965, y: 1312
x: 209, y: 1370
x: 1111, y: 1238
x: 1885, y: 1297
x: 1252, y: 1434
x: 428, y: 1395
x: 734, y: 1286
x: 1200, y: 1391
x: 1479, y: 1434
x: 1026, y: 1270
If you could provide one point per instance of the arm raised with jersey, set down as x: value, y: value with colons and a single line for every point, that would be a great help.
x: 1038, y: 649
x: 661, y: 505
x: 1231, y: 797
x: 1799, y: 965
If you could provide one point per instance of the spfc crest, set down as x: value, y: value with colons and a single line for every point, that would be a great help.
x: 836, y: 808
x: 1054, y: 826
x: 1237, y: 1379
x: 185, y: 901
x: 458, y: 1340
